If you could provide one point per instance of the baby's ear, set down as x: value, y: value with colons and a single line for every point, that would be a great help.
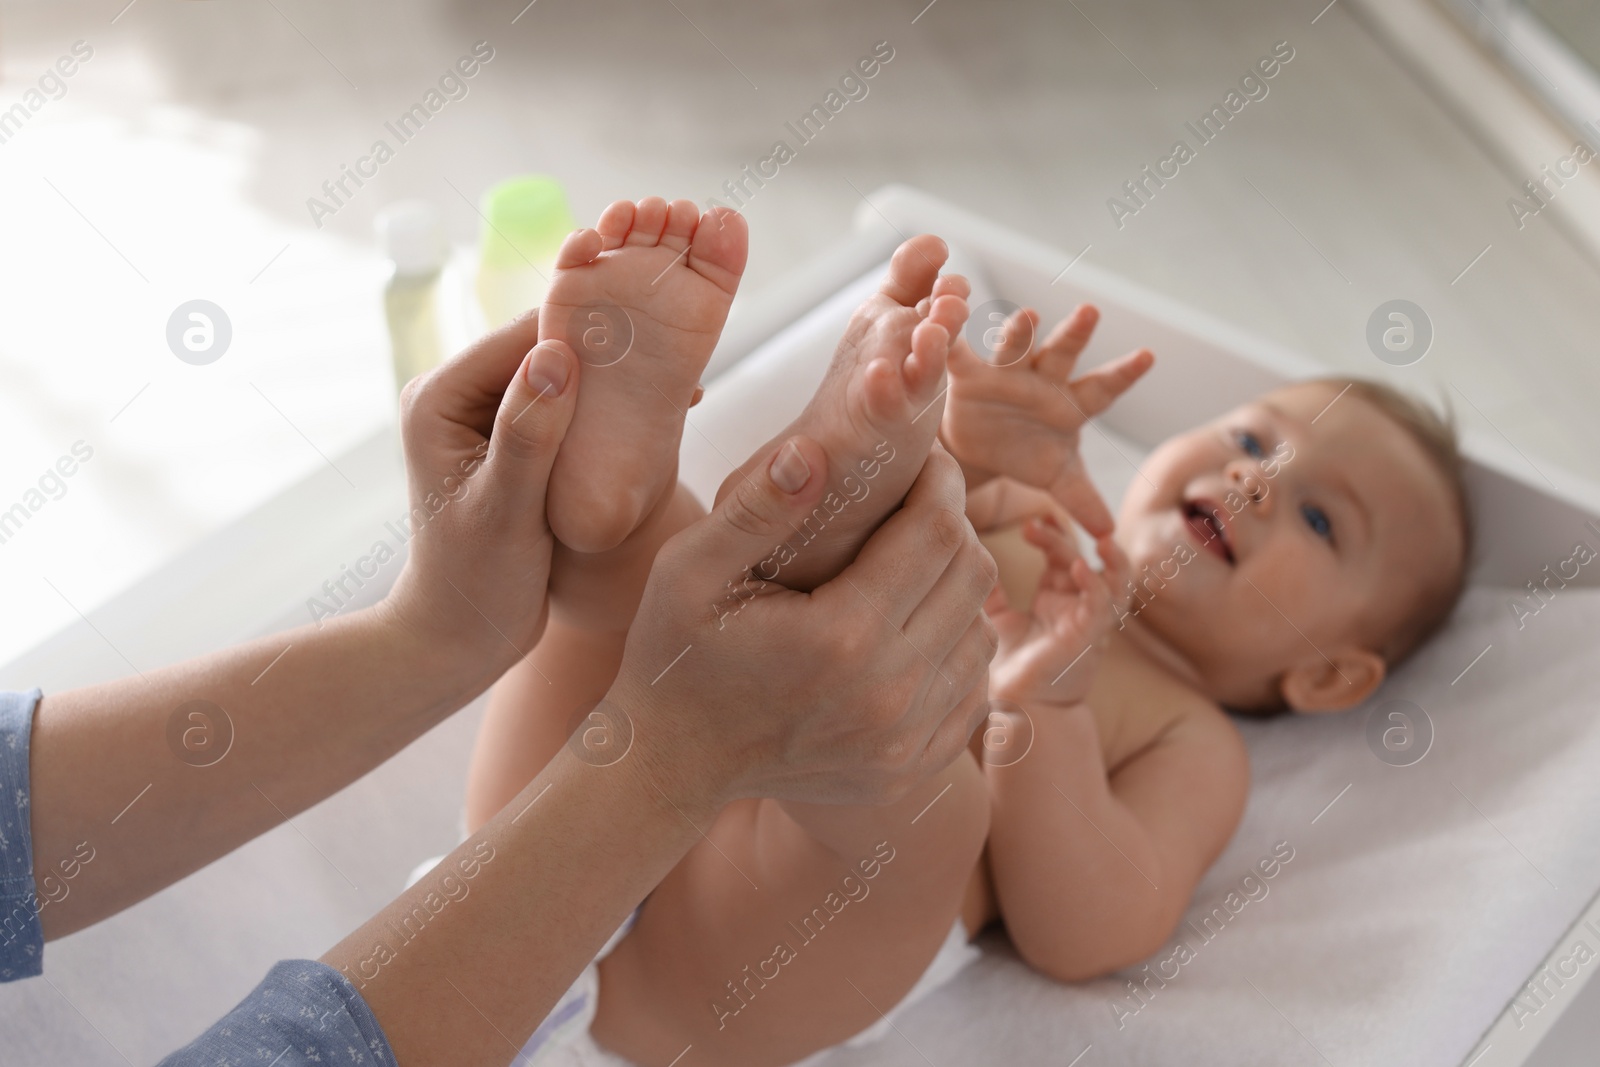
x: 1336, y: 682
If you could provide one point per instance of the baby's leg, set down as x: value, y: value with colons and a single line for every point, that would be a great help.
x: 530, y: 713
x: 793, y: 927
x: 537, y: 703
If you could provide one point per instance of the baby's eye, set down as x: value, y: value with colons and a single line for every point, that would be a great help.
x: 1251, y: 444
x: 1317, y: 519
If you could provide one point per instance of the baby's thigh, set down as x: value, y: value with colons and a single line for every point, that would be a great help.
x: 764, y: 946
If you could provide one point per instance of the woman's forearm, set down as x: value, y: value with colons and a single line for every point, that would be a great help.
x: 158, y: 774
x: 462, y: 967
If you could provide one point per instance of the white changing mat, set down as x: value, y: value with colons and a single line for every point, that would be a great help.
x: 761, y: 394
x: 1413, y: 909
x: 1418, y: 898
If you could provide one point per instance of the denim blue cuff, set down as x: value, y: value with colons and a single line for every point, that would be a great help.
x: 303, y: 1012
x: 21, y: 936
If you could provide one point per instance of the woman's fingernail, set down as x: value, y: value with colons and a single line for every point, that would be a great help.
x: 548, y: 370
x: 789, y: 469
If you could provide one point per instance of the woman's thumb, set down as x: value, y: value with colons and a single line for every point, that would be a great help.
x: 533, y: 417
x: 764, y: 509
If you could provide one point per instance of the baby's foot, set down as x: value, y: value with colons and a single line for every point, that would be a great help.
x: 642, y: 299
x: 876, y: 413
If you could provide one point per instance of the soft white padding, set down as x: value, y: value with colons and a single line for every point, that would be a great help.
x: 1414, y: 907
x: 1413, y: 910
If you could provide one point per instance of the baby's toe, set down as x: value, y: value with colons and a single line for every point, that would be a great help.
x: 952, y: 285
x: 948, y: 311
x: 580, y: 247
x: 721, y: 247
x: 614, y: 223
x: 681, y: 218
x: 914, y: 269
x: 649, y: 218
x: 930, y: 344
x: 884, y: 390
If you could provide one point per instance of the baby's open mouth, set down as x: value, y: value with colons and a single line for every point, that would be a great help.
x: 1208, y: 528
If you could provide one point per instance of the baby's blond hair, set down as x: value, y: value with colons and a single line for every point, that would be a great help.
x: 1435, y: 434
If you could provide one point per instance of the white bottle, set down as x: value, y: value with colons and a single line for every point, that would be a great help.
x: 525, y: 221
x: 414, y: 242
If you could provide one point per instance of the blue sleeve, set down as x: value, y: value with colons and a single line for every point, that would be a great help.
x: 21, y: 936
x: 303, y: 1012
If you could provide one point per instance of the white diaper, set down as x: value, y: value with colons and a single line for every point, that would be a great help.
x: 563, y: 1038
x: 952, y: 957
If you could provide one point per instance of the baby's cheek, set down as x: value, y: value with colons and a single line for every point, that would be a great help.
x: 1291, y: 584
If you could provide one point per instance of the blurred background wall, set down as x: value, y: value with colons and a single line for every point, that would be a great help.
x: 179, y: 161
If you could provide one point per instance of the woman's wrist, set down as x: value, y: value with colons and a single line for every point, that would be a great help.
x: 457, y: 662
x: 662, y: 751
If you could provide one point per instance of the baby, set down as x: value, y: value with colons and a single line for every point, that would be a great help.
x: 1284, y: 556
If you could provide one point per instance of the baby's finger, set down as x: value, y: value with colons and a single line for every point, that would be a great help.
x: 1118, y: 570
x: 1095, y: 586
x: 1097, y: 607
x: 1083, y: 578
x: 1045, y: 533
x: 1113, y: 558
x: 1059, y: 352
x: 1066, y: 566
x: 1099, y: 388
x: 1016, y: 337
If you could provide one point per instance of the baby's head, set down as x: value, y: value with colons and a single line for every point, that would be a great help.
x: 1297, y: 548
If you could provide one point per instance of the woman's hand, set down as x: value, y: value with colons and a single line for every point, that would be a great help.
x: 481, y: 433
x: 849, y: 694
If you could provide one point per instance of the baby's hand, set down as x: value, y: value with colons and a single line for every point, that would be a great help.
x: 1020, y: 414
x: 1049, y: 656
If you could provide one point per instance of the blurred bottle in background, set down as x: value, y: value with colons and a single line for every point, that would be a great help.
x: 414, y: 241
x: 525, y: 220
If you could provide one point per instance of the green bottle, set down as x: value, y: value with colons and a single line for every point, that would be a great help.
x: 525, y: 221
